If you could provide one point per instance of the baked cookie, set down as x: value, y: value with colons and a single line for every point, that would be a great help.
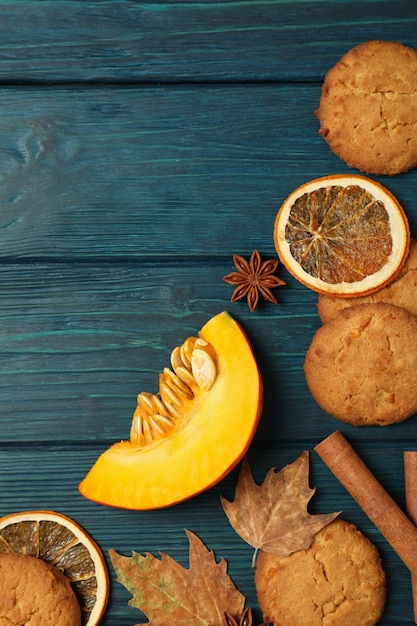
x: 402, y: 292
x: 361, y: 367
x: 368, y: 108
x: 338, y: 581
x: 33, y: 592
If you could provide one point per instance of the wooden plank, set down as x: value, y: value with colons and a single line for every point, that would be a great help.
x: 78, y: 343
x: 157, y: 172
x: 26, y: 471
x: 123, y: 41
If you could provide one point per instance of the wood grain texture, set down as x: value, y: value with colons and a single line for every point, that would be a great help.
x: 78, y: 343
x: 135, y: 172
x: 159, y: 172
x: 141, y: 146
x: 123, y: 41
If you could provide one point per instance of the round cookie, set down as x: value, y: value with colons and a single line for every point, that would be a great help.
x: 402, y: 292
x: 361, y: 367
x: 368, y: 107
x: 338, y: 581
x: 33, y: 592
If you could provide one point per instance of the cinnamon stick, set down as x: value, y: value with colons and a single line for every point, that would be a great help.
x: 410, y: 474
x: 378, y: 505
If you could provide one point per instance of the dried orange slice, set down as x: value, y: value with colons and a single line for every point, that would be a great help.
x: 58, y: 540
x: 344, y: 235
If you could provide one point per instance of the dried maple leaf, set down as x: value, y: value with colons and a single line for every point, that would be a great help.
x: 273, y: 516
x: 169, y: 594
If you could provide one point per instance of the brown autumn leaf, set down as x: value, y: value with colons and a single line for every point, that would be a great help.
x: 273, y: 516
x: 169, y: 594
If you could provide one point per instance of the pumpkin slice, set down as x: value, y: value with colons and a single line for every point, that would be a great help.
x: 193, y: 432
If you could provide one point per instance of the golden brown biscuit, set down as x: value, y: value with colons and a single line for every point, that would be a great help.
x: 35, y: 593
x: 361, y: 367
x: 368, y: 107
x: 402, y: 292
x: 338, y: 581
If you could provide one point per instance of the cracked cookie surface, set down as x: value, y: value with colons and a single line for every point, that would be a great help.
x: 338, y: 581
x: 368, y: 107
x: 361, y: 367
x: 34, y: 593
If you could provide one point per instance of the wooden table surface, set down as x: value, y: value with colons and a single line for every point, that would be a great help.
x: 141, y: 146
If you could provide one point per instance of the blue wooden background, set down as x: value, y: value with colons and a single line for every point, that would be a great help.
x: 141, y: 146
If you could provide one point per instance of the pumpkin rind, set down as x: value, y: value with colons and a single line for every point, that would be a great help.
x: 216, y: 431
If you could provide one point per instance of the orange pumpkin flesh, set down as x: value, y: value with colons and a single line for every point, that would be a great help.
x: 212, y: 436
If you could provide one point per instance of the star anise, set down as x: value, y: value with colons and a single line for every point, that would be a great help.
x: 253, y: 278
x: 244, y: 620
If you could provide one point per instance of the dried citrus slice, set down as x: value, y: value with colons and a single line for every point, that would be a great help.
x: 57, y: 539
x: 344, y: 235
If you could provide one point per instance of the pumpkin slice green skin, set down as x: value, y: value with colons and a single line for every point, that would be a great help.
x: 213, y: 437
